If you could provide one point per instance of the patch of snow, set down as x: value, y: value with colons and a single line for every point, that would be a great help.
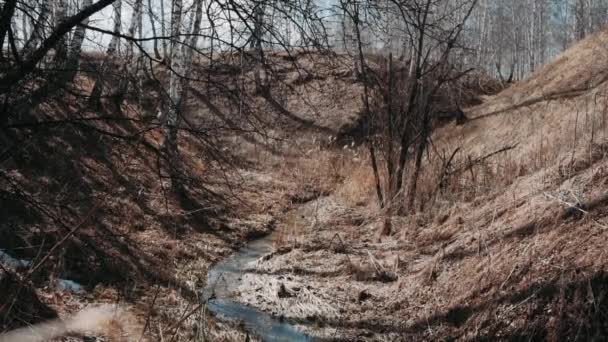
x: 69, y: 285
x: 11, y: 262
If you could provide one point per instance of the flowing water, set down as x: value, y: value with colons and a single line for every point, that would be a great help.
x: 225, y: 276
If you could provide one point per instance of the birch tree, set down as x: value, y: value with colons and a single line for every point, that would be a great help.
x: 6, y: 16
x: 61, y: 49
x: 256, y: 44
x: 172, y: 111
x: 75, y: 48
x: 152, y: 17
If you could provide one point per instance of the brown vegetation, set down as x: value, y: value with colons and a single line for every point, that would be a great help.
x: 409, y: 198
x: 510, y: 245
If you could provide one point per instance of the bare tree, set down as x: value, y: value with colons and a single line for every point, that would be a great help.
x: 55, y: 40
x: 399, y: 104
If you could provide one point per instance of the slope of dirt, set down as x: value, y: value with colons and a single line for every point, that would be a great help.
x: 88, y: 216
x: 556, y: 109
x: 509, y: 264
x: 120, y: 222
x: 94, y: 196
x: 512, y: 247
x: 496, y: 253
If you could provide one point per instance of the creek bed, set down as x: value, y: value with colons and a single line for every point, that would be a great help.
x: 225, y: 277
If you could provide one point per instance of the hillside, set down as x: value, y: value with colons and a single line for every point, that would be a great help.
x: 89, y: 217
x: 508, y: 242
x: 317, y: 171
x: 513, y: 247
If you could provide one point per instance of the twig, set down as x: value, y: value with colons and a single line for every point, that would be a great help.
x: 379, y: 269
x: 444, y: 172
x: 513, y: 269
x: 61, y: 242
x: 185, y: 317
x: 150, y: 312
x: 575, y: 206
x: 160, y: 333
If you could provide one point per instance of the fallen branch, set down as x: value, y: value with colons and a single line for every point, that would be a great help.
x: 472, y: 162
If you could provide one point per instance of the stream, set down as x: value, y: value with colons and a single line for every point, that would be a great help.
x: 225, y: 277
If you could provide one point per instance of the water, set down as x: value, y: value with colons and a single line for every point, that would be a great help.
x: 226, y: 276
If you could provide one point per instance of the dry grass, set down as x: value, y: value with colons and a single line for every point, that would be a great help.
x: 487, y: 242
x: 358, y: 186
x: 489, y: 254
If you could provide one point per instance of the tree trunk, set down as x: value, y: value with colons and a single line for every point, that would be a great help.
x: 580, y: 19
x: 153, y: 25
x: 162, y: 28
x: 61, y: 49
x: 110, y: 60
x: 24, y: 29
x: 181, y: 62
x: 6, y: 16
x: 38, y: 29
x: 416, y: 172
x: 257, y: 46
x: 356, y: 41
x: 75, y: 47
x: 172, y: 115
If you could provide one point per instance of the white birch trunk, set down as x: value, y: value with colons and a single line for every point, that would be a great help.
x: 171, y: 119
x: 181, y: 65
x: 175, y: 63
x: 61, y: 48
x: 75, y: 47
x: 24, y: 29
x: 135, y: 22
x: 162, y: 28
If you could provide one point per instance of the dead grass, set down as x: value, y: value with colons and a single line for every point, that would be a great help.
x: 485, y: 247
x: 489, y: 254
x: 358, y: 186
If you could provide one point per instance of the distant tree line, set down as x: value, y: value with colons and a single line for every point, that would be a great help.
x: 179, y: 46
x: 507, y: 38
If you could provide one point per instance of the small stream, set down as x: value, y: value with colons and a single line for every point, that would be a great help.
x: 225, y: 277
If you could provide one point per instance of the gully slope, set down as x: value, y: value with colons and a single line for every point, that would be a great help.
x: 512, y: 247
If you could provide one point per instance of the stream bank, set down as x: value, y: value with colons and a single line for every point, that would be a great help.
x: 225, y: 278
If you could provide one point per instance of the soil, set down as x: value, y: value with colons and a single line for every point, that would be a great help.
x: 513, y: 248
x: 510, y: 247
